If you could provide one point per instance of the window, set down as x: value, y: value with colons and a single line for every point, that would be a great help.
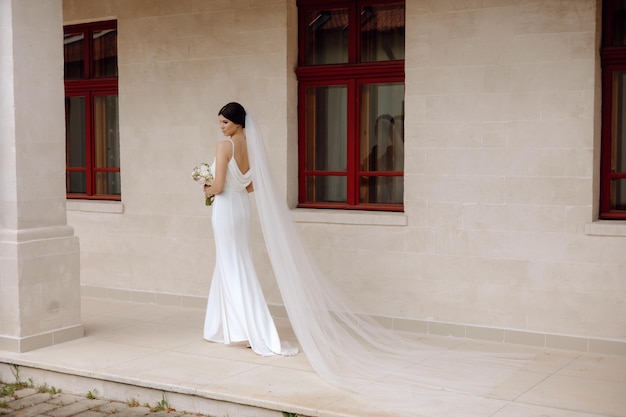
x: 351, y: 104
x: 91, y: 111
x: 613, y: 148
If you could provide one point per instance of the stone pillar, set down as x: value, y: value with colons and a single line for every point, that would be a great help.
x: 39, y: 254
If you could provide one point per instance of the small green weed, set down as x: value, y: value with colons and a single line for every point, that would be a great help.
x: 50, y: 390
x: 9, y: 389
x: 91, y: 395
x: 133, y: 403
x: 162, y: 405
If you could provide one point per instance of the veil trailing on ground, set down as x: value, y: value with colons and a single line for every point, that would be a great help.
x: 343, y: 344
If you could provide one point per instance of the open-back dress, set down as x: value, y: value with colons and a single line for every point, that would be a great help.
x: 236, y: 308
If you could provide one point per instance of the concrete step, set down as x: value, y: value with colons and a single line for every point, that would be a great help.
x: 114, y: 398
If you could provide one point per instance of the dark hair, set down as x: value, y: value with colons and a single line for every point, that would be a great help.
x: 234, y: 112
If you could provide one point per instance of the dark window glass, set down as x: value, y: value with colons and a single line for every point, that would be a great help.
x: 74, y: 55
x: 326, y: 189
x: 326, y: 128
x: 327, y: 37
x: 106, y: 129
x: 382, y: 143
x: 382, y: 32
x: 75, y: 131
x: 104, y: 62
x: 615, y: 22
x: 108, y: 183
x: 76, y: 182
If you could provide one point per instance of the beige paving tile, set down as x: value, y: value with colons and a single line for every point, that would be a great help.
x: 475, y: 372
x: 446, y: 342
x: 175, y: 369
x: 299, y: 362
x: 579, y: 394
x: 234, y: 352
x: 96, y: 325
x: 85, y: 355
x: 99, y: 306
x: 610, y: 368
x: 144, y: 312
x: 527, y: 410
x: 535, y: 359
x: 427, y: 403
x: 278, y: 388
x: 151, y: 335
x: 193, y: 318
x: 517, y: 385
x: 550, y: 361
x: 357, y: 406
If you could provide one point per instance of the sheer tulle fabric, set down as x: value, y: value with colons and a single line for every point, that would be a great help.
x: 344, y: 345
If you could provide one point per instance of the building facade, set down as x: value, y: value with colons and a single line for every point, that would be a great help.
x: 499, y: 236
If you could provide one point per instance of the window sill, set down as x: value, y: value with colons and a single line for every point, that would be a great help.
x: 606, y: 228
x: 371, y: 218
x: 94, y: 206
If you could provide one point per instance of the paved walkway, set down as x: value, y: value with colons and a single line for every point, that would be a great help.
x: 32, y: 402
x: 151, y: 352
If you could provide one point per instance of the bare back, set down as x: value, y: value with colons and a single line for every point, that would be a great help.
x: 241, y: 153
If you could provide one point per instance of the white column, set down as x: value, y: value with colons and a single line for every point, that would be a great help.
x: 39, y: 254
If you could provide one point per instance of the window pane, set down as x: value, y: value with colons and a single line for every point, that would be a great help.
x: 382, y: 127
x: 108, y: 183
x: 382, y: 190
x: 75, y: 131
x: 74, y: 52
x: 76, y: 182
x: 106, y: 137
x: 618, y: 157
x: 326, y: 128
x: 619, y: 24
x: 105, y: 53
x: 326, y: 189
x: 618, y: 194
x: 327, y: 37
x: 382, y: 32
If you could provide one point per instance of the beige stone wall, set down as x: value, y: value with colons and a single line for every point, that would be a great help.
x: 501, y: 163
x: 179, y: 62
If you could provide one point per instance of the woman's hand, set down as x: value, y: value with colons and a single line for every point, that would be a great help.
x: 207, y: 191
x: 209, y: 196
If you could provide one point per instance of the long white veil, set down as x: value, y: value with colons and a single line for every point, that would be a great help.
x: 345, y: 346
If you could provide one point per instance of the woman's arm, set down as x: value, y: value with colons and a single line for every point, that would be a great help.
x: 222, y: 156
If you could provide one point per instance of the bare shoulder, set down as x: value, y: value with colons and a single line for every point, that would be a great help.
x: 224, y: 148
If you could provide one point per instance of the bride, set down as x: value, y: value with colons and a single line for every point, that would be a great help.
x: 236, y: 309
x: 343, y: 344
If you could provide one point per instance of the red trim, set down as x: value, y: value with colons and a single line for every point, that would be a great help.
x: 108, y: 197
x: 368, y: 207
x: 350, y: 71
x: 352, y: 142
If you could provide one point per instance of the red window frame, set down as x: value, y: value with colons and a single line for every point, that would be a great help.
x: 613, y: 59
x: 90, y: 87
x: 352, y: 74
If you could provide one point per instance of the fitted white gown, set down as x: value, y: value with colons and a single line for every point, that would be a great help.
x: 236, y: 308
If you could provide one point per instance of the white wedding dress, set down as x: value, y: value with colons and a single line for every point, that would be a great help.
x: 236, y: 308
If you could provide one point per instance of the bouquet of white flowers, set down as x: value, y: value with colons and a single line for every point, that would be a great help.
x: 202, y: 174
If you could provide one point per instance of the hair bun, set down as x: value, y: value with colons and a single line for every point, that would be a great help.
x: 234, y: 112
